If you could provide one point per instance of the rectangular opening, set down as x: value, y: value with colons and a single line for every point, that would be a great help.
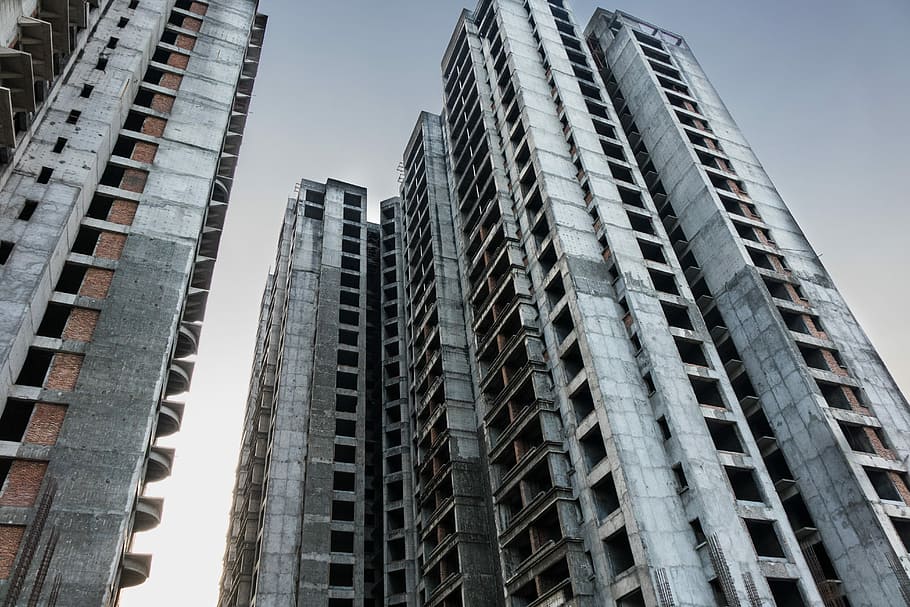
x: 902, y: 526
x: 679, y: 476
x: 341, y: 575
x: 345, y: 454
x: 314, y: 196
x: 343, y: 481
x: 347, y: 298
x: 346, y: 381
x: 59, y: 145
x: 883, y: 484
x: 54, y: 321
x: 346, y: 427
x: 642, y: 224
x: 652, y: 251
x: 677, y: 316
x: 592, y: 447
x: 858, y: 437
x: 621, y: 173
x: 342, y: 511
x: 342, y: 541
x: 350, y: 263
x: 619, y: 552
x: 6, y: 249
x: 572, y: 362
x: 352, y: 281
x: 348, y: 358
x: 606, y: 499
x: 313, y: 212
x: 14, y: 421
x: 351, y: 247
x: 691, y: 352
x: 707, y: 392
x: 745, y: 488
x: 395, y: 491
x: 764, y: 538
x: 663, y: 282
x: 582, y: 402
x: 348, y: 338
x: 838, y: 396
x: 664, y: 426
x: 73, y: 117
x: 86, y: 91
x: 5, y: 464
x: 86, y: 240
x: 349, y: 317
x: 345, y: 403
x: 353, y: 200
x: 44, y: 176
x: 698, y: 531
x: 724, y: 435
x: 34, y: 371
x: 28, y: 209
x: 633, y: 599
x: 71, y: 279
x: 351, y: 215
x: 102, y: 64
x: 786, y: 593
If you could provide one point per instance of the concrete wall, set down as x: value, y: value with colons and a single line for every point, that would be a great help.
x: 137, y: 278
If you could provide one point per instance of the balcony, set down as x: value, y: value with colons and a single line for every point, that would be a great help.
x: 159, y: 464
x: 148, y: 513
x: 134, y: 569
x: 178, y: 379
x: 170, y: 417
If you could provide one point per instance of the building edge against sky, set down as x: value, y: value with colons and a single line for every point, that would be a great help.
x: 604, y: 341
x: 120, y: 125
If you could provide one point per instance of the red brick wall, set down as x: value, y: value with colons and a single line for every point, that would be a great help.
x: 162, y: 103
x: 64, y: 372
x: 192, y: 24
x: 144, y: 152
x: 10, y: 538
x: 96, y: 283
x: 185, y: 42
x: 154, y: 126
x: 44, y: 426
x: 122, y: 212
x: 198, y: 8
x: 133, y: 180
x: 81, y: 324
x: 110, y: 245
x: 178, y: 60
x: 170, y: 81
x: 23, y: 483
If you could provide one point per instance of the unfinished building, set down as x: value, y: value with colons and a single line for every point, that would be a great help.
x: 120, y: 125
x: 614, y: 372
x: 306, y: 520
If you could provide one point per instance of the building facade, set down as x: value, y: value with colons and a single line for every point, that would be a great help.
x: 120, y: 125
x: 307, y: 514
x: 614, y: 372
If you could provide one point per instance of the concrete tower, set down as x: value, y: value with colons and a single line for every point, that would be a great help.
x: 306, y: 523
x: 120, y: 125
x: 613, y: 370
x: 809, y: 388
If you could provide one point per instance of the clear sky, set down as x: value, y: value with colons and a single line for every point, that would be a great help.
x: 820, y: 88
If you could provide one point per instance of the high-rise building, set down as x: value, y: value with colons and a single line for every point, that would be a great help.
x: 120, y: 125
x: 306, y: 517
x: 613, y: 370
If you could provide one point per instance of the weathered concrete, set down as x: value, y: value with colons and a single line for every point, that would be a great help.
x: 107, y: 380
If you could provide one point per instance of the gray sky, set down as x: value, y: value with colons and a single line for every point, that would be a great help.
x: 820, y: 88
